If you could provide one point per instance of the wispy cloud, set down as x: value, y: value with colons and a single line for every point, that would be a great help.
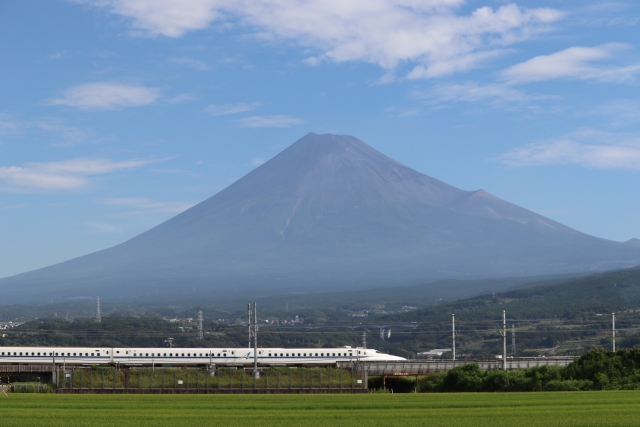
x: 192, y: 63
x: 102, y: 227
x: 497, y: 94
x: 573, y: 63
x: 181, y: 98
x: 257, y: 161
x: 430, y: 36
x: 277, y: 121
x: 149, y: 205
x: 66, y: 135
x: 106, y: 96
x: 221, y: 110
x: 8, y: 124
x: 60, y: 176
x: 621, y: 112
x: 588, y: 148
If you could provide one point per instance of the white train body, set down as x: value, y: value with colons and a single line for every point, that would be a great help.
x: 189, y: 356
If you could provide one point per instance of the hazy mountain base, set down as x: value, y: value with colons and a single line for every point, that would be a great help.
x: 336, y: 306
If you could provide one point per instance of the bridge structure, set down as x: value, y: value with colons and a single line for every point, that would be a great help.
x: 45, y: 373
x: 416, y: 368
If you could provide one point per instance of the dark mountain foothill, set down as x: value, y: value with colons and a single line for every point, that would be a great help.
x: 328, y: 213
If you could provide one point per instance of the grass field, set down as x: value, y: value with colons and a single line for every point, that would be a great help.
x: 611, y: 408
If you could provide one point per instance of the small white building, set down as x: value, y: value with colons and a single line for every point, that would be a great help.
x: 436, y: 352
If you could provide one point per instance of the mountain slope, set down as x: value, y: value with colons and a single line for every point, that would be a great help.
x: 330, y: 211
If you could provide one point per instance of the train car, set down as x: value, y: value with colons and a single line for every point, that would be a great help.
x: 44, y: 355
x: 189, y: 356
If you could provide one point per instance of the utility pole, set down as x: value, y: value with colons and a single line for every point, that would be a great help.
x: 613, y: 330
x: 364, y: 339
x: 256, y: 374
x: 200, y: 326
x: 504, y: 340
x: 170, y: 342
x: 381, y: 333
x: 98, y: 317
x: 249, y: 323
x: 513, y: 339
x: 453, y: 334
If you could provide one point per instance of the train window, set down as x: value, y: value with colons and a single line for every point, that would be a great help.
x: 218, y: 354
x: 182, y: 354
x: 146, y: 354
x: 165, y: 354
x: 316, y: 354
x: 322, y: 354
x: 287, y: 354
x: 298, y: 354
x: 334, y: 354
x: 281, y: 355
x: 233, y: 352
x: 188, y: 354
x: 38, y: 353
x: 20, y: 353
x: 92, y: 354
x: 118, y: 351
x: 32, y: 353
x: 304, y: 354
x: 86, y: 354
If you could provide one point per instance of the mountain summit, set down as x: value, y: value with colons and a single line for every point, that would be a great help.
x: 330, y: 212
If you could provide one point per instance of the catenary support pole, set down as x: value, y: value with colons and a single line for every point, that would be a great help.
x: 504, y: 340
x: 256, y: 374
x: 453, y: 334
x: 613, y: 330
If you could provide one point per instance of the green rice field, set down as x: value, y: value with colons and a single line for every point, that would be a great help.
x: 609, y: 408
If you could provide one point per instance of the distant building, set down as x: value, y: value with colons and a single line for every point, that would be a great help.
x: 436, y: 352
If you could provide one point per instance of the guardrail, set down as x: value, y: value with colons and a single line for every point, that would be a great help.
x: 425, y: 367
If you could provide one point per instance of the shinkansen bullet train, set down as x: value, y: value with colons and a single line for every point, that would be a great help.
x: 189, y: 356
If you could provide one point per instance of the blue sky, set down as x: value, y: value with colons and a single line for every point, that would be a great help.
x: 116, y: 115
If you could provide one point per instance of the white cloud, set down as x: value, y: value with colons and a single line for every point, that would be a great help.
x: 277, y: 121
x: 149, y: 205
x: 588, y: 148
x: 426, y: 34
x: 106, y: 96
x: 193, y: 63
x: 572, y: 63
x: 221, y: 110
x: 257, y: 161
x: 65, y: 175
